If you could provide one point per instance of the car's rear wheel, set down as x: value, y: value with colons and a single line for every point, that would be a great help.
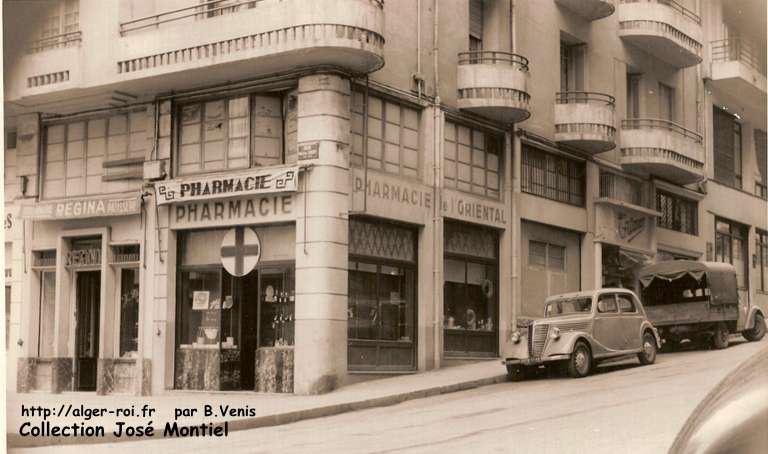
x: 720, y: 338
x: 648, y: 354
x: 516, y: 372
x: 580, y: 363
x: 757, y: 332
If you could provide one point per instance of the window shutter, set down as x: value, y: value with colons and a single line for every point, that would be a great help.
x: 762, y: 155
x: 724, y: 161
x: 476, y: 19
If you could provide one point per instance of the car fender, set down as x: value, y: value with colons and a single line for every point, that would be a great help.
x: 517, y: 350
x: 567, y: 341
x: 751, y: 317
x: 647, y: 325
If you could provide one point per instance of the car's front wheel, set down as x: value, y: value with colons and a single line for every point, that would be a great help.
x: 648, y: 354
x: 516, y: 372
x: 580, y: 363
x: 757, y: 332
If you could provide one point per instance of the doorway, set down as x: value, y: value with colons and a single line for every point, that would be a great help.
x: 87, y: 296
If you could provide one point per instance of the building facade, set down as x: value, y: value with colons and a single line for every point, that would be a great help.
x: 290, y: 196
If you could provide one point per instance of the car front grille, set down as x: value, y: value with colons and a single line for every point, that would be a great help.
x: 537, y: 338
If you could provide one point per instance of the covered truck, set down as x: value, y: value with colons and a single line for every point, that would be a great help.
x: 699, y: 301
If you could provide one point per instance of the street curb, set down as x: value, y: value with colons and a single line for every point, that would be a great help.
x: 14, y: 440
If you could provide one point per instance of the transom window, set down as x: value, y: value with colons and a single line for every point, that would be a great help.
x: 472, y: 160
x: 393, y: 135
x: 553, y: 177
x: 677, y: 213
x: 232, y: 133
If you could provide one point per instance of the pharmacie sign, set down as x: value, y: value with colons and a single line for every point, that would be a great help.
x: 253, y: 182
x: 82, y: 208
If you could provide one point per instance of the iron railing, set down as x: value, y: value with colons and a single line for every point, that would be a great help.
x: 652, y: 123
x: 584, y: 97
x: 493, y: 57
x: 201, y: 10
x: 55, y: 41
x: 738, y: 50
x: 685, y: 12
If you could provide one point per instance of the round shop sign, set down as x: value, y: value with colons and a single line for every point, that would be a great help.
x: 240, y: 251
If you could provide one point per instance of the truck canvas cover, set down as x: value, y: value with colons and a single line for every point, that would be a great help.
x: 721, y: 277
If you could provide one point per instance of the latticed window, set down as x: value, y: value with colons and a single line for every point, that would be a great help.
x: 393, y: 135
x: 472, y: 160
x: 381, y: 240
x: 79, y: 155
x: 553, y: 177
x: 677, y: 213
x: 233, y: 133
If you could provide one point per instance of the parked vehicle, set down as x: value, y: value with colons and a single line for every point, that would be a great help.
x: 579, y: 329
x: 699, y: 301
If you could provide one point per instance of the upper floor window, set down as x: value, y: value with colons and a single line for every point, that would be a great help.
x: 727, y: 141
x: 571, y: 66
x: 476, y: 25
x: 761, y: 156
x: 677, y: 213
x: 393, y: 135
x: 78, y: 153
x: 633, y: 95
x: 553, y: 177
x: 761, y: 252
x: 59, y: 24
x: 619, y: 187
x: 666, y: 102
x: 230, y: 133
x: 472, y: 160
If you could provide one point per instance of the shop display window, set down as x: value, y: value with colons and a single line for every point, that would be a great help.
x: 129, y: 311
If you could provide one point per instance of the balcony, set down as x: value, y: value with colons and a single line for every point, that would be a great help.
x: 738, y: 69
x: 589, y: 9
x: 494, y: 85
x: 662, y: 148
x: 585, y: 120
x: 662, y: 28
x: 257, y: 36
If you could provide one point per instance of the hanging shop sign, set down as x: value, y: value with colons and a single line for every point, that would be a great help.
x: 253, y: 182
x: 82, y: 208
x: 240, y: 251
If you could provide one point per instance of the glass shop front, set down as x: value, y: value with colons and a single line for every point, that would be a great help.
x: 382, y: 297
x: 226, y: 325
x: 471, y: 301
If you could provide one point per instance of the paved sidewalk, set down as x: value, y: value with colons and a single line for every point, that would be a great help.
x: 266, y: 409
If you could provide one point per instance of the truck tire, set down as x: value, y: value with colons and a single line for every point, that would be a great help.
x: 720, y: 338
x: 757, y: 332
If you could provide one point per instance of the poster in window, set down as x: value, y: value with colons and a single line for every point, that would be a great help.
x: 200, y: 300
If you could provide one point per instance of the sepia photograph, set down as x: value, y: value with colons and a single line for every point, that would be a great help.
x: 385, y: 226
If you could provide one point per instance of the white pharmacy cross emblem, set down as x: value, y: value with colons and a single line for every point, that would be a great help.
x: 240, y: 251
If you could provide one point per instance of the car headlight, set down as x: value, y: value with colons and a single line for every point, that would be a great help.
x: 515, y: 337
x: 554, y: 334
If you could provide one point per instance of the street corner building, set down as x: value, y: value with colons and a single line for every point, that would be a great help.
x: 290, y: 196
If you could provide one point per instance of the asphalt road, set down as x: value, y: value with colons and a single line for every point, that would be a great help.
x: 620, y: 408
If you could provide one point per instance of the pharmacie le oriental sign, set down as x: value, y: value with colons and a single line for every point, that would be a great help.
x: 253, y: 182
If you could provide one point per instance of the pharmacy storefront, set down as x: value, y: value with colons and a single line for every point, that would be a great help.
x: 235, y: 302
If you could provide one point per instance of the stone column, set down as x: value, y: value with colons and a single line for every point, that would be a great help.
x: 322, y: 233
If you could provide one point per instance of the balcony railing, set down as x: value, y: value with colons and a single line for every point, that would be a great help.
x: 199, y: 10
x: 202, y: 10
x: 652, y: 123
x: 493, y: 57
x: 725, y: 50
x: 685, y: 12
x: 584, y: 97
x: 53, y: 42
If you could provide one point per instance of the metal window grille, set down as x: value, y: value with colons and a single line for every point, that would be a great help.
x: 553, y: 177
x: 677, y: 213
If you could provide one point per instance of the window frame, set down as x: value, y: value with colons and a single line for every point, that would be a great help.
x: 761, y: 252
x: 575, y: 176
x: 607, y: 296
x: 676, y: 205
x: 547, y: 262
x: 489, y: 137
x: 734, y: 234
x: 626, y: 297
x: 119, y: 313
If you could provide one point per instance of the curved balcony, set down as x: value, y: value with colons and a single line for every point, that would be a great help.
x: 662, y: 148
x: 494, y: 85
x: 585, y: 120
x: 589, y: 9
x: 255, y: 36
x: 738, y: 69
x: 662, y: 28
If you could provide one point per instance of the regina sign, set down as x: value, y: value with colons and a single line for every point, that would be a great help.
x: 255, y: 181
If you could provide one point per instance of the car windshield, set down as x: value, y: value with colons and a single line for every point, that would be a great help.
x: 568, y: 306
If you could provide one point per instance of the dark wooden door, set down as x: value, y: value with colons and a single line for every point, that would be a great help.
x: 249, y: 302
x: 87, y: 329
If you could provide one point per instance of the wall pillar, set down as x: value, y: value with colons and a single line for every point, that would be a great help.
x: 322, y: 233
